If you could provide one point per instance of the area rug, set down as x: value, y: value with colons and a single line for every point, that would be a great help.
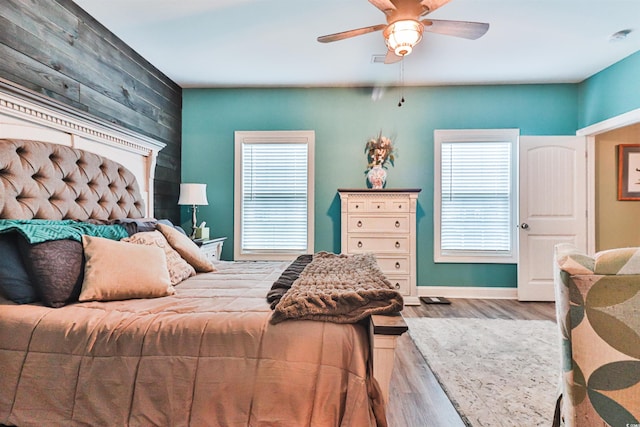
x: 496, y: 372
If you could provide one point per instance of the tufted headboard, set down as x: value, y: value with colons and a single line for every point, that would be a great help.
x: 59, y: 163
x: 51, y: 181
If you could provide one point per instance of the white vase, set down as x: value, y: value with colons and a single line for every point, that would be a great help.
x: 377, y: 177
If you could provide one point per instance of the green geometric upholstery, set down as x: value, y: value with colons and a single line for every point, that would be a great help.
x: 598, y: 309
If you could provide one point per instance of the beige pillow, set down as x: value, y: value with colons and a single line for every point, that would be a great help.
x: 118, y: 270
x: 186, y: 248
x: 179, y: 269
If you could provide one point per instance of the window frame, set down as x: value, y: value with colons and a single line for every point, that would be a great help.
x: 442, y: 136
x: 306, y: 137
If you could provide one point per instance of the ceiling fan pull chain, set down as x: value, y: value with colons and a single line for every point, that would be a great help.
x: 401, y: 84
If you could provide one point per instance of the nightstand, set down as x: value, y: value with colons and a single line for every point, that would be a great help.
x: 211, y: 248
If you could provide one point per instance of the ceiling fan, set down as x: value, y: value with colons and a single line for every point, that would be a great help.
x: 404, y: 26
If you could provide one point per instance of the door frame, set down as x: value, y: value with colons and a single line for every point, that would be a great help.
x: 590, y: 132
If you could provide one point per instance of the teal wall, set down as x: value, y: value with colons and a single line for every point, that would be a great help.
x: 343, y: 119
x: 611, y: 92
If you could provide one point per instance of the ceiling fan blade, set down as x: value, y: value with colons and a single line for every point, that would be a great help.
x: 431, y: 5
x: 351, y: 33
x: 392, y: 57
x: 384, y: 5
x: 464, y: 29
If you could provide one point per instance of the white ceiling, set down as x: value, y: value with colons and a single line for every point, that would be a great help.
x: 222, y: 43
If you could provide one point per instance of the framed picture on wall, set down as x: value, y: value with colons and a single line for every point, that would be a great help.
x: 629, y: 172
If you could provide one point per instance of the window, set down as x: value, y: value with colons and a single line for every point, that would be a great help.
x: 273, y: 194
x: 475, y: 196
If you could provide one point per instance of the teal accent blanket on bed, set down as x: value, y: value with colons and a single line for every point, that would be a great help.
x: 42, y: 230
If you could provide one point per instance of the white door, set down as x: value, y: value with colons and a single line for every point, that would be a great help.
x: 553, y: 208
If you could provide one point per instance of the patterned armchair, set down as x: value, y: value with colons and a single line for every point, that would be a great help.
x: 598, y: 310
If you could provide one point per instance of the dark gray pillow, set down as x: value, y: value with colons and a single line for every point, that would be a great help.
x: 136, y: 225
x: 14, y: 280
x: 56, y: 269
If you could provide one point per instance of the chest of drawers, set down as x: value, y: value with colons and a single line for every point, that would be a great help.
x: 383, y: 222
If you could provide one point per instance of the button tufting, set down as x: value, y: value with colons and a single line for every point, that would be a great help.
x: 93, y: 184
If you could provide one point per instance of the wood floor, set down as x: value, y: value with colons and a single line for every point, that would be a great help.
x: 415, y: 397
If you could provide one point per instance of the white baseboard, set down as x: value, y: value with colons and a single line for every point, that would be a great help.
x: 467, y: 292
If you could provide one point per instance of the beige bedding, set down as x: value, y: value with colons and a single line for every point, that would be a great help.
x: 207, y: 356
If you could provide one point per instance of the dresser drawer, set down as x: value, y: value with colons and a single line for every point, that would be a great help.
x: 378, y: 224
x: 400, y: 283
x: 375, y: 244
x: 210, y: 252
x: 387, y: 205
x: 378, y: 205
x: 394, y: 265
x: 357, y: 205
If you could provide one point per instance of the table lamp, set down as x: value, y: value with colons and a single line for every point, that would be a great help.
x: 194, y: 195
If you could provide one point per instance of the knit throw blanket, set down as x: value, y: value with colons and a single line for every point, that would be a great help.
x: 339, y: 289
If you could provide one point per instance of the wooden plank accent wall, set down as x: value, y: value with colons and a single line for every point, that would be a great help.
x: 56, y: 49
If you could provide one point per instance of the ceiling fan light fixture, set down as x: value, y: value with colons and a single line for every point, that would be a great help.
x: 402, y: 36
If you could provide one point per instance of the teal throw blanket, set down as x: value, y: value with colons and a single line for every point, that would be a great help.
x: 42, y: 230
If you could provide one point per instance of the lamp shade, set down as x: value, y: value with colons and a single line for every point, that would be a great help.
x: 193, y: 194
x: 402, y: 36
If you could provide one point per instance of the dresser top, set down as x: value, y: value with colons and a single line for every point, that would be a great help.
x: 382, y: 190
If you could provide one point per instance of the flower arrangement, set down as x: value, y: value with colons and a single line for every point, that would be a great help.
x: 380, y: 151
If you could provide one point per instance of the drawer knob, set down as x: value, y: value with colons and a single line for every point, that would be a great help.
x: 397, y: 264
x: 397, y: 224
x: 399, y: 206
x: 397, y: 244
x: 359, y: 244
x: 357, y: 206
x: 359, y: 224
x: 397, y: 286
x: 378, y: 206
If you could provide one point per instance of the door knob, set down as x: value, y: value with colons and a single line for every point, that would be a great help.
x: 524, y: 226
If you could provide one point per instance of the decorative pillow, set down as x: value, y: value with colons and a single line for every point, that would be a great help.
x: 186, y: 248
x: 55, y: 269
x: 179, y: 269
x: 136, y: 225
x: 618, y: 261
x: 14, y: 280
x: 116, y: 270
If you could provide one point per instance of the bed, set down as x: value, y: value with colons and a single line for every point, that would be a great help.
x: 200, y: 351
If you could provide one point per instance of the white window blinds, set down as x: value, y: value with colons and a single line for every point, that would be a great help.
x: 275, y: 197
x: 476, y: 200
